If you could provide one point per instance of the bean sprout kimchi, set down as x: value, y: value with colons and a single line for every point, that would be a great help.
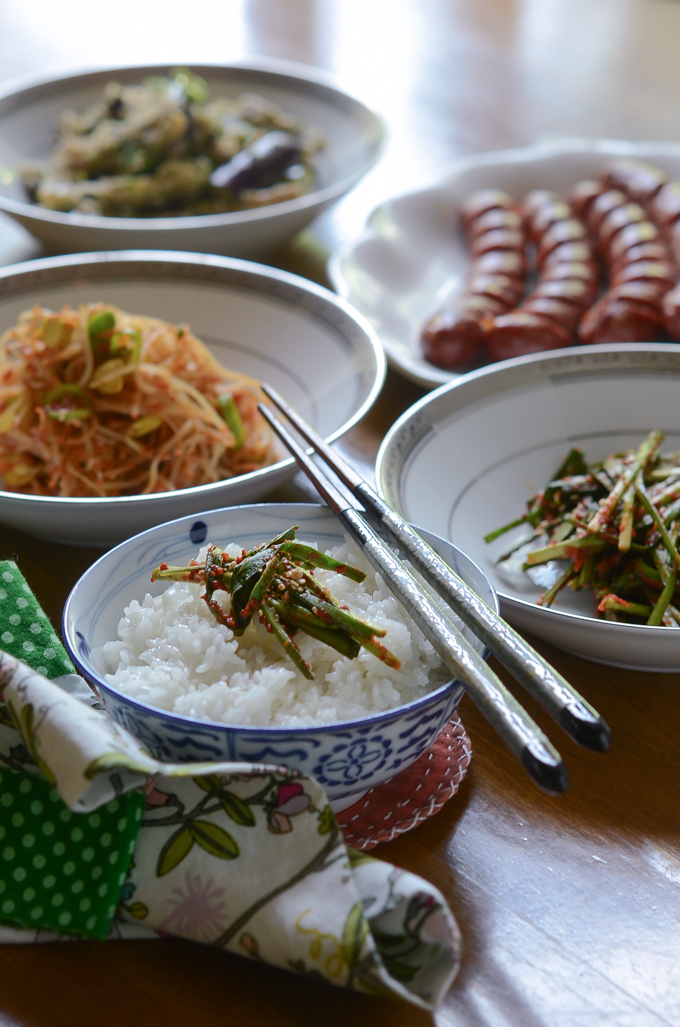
x: 98, y: 402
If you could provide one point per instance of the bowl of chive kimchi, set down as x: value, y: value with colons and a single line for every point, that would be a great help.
x: 261, y: 633
x: 563, y: 483
x: 129, y: 386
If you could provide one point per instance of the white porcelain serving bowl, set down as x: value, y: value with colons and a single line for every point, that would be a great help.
x: 412, y: 254
x: 347, y: 758
x: 465, y: 459
x: 30, y: 107
x: 271, y: 325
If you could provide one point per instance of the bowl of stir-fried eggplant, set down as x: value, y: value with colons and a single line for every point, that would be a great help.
x: 559, y: 474
x: 217, y: 159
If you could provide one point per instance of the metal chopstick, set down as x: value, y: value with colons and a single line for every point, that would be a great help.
x: 524, y: 738
x: 578, y: 718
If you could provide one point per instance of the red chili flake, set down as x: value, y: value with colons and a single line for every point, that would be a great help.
x: 322, y: 615
x: 610, y: 595
x: 163, y: 566
x: 251, y: 606
x: 579, y: 556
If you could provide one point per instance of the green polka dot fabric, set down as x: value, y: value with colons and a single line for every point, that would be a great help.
x: 25, y: 631
x: 59, y: 870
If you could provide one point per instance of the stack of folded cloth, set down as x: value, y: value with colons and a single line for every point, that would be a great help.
x: 98, y: 839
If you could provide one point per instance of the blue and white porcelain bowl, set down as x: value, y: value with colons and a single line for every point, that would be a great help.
x: 347, y: 758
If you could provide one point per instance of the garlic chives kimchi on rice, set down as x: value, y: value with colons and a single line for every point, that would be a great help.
x: 99, y: 402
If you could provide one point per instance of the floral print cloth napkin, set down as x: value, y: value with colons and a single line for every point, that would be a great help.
x: 245, y: 857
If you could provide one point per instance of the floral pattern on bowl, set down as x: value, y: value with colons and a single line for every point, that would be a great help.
x: 347, y: 758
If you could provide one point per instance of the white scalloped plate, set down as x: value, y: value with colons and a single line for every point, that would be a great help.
x: 412, y: 254
x: 465, y: 459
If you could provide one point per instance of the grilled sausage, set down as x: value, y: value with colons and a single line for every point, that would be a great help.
x: 640, y: 251
x: 616, y: 219
x: 630, y: 310
x: 502, y: 262
x: 556, y: 309
x: 581, y: 196
x: 481, y: 202
x: 664, y: 208
x: 556, y: 270
x: 498, y: 217
x: 568, y: 252
x: 535, y: 199
x: 672, y: 235
x: 637, y: 178
x: 506, y: 290
x: 670, y: 308
x: 545, y: 216
x: 662, y: 239
x: 496, y: 238
x: 510, y: 239
x: 567, y: 283
x: 524, y: 331
x: 660, y: 272
x: 453, y: 336
x: 641, y: 291
x: 602, y: 205
x: 633, y: 215
x: 568, y: 231
x: 616, y: 319
x: 641, y: 233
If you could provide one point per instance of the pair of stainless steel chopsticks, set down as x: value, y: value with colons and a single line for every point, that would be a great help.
x: 524, y: 738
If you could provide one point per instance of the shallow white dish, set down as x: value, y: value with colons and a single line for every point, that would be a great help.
x: 465, y: 460
x: 29, y: 109
x: 349, y: 757
x: 266, y: 323
x: 412, y: 255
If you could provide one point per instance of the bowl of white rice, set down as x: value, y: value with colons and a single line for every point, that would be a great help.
x: 180, y: 681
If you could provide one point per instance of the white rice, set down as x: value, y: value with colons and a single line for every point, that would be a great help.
x: 171, y: 653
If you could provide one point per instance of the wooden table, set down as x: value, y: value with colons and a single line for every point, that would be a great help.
x: 570, y: 907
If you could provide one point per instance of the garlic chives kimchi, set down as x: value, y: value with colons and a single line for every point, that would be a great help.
x: 99, y: 402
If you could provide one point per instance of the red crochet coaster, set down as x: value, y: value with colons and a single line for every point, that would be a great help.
x: 418, y: 792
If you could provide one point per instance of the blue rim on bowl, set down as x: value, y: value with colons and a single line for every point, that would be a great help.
x: 347, y: 757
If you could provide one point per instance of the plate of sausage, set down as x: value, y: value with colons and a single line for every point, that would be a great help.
x: 563, y: 243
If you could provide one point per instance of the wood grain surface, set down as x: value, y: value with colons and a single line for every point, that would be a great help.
x: 570, y: 907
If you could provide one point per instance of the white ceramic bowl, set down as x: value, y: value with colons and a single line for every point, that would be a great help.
x: 465, y: 460
x: 412, y: 255
x: 29, y: 109
x: 347, y: 758
x: 266, y: 323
